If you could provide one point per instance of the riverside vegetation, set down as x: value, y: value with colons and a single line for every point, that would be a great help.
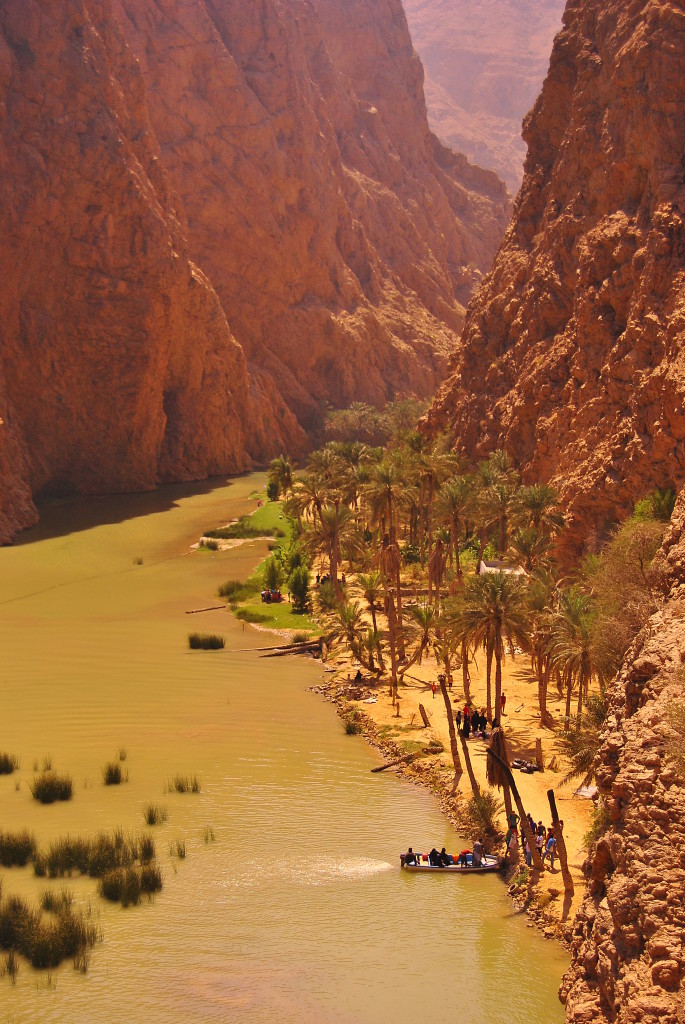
x: 418, y: 555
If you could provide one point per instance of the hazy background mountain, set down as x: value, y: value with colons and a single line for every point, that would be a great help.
x: 485, y: 61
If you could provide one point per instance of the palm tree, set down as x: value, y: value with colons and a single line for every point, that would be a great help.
x: 432, y: 467
x: 494, y: 614
x: 541, y: 596
x: 349, y: 626
x: 528, y: 546
x: 422, y: 619
x: 571, y: 647
x: 281, y: 473
x: 454, y: 747
x: 334, y: 528
x: 371, y: 645
x: 538, y: 506
x: 453, y: 506
x: 371, y: 585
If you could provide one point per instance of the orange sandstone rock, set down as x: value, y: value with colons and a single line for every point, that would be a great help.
x: 572, y: 353
x: 217, y: 219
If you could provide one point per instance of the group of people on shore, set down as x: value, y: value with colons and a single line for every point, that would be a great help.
x: 545, y: 840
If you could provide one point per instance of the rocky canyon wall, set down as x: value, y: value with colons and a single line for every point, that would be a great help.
x: 628, y: 961
x: 572, y: 357
x: 485, y: 62
x: 217, y: 218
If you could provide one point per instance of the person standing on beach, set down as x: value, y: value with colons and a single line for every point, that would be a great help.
x: 433, y: 690
x: 503, y: 703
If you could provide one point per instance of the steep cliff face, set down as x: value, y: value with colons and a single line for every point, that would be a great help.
x: 173, y: 167
x: 485, y: 62
x: 118, y: 366
x: 572, y: 354
x: 342, y: 239
x: 628, y: 960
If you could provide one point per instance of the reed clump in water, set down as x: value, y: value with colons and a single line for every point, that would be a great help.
x: 56, y: 902
x: 8, y: 763
x: 113, y: 774
x: 205, y: 642
x: 17, y: 848
x: 184, y: 784
x: 44, y: 943
x: 178, y: 849
x: 49, y: 787
x: 127, y: 885
x: 94, y: 857
x: 155, y: 814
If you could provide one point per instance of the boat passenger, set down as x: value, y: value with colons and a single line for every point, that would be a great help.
x: 477, y: 853
x: 445, y: 858
x: 410, y: 857
x: 462, y: 859
x: 434, y: 859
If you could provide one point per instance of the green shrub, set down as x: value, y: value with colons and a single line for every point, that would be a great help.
x: 485, y: 810
x: 8, y: 764
x: 272, y: 573
x: 411, y: 554
x: 601, y: 822
x: 272, y: 491
x: 16, y: 848
x: 301, y: 637
x: 49, y: 787
x: 209, y: 544
x: 353, y: 726
x: 244, y: 529
x: 205, y: 641
x: 298, y: 584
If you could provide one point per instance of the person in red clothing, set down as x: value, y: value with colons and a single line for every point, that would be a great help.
x: 503, y: 702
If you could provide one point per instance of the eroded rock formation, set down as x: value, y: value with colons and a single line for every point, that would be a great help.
x: 628, y: 960
x: 217, y: 218
x: 572, y: 357
x: 485, y: 62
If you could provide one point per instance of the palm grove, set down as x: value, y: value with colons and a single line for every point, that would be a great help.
x: 413, y: 524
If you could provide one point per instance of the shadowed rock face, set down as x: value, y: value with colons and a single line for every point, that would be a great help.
x: 485, y: 61
x: 627, y: 949
x: 572, y: 353
x: 218, y: 218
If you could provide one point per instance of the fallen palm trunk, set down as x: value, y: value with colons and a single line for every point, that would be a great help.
x: 407, y: 758
x: 561, y: 844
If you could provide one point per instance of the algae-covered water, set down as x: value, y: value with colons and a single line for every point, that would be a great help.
x: 297, y: 910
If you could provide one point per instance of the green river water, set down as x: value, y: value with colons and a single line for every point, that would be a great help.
x: 298, y: 911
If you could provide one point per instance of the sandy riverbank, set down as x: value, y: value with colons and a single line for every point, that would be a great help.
x: 393, y: 733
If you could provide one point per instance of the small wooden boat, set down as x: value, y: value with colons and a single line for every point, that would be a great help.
x: 423, y: 866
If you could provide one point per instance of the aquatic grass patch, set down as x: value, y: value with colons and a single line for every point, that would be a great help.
x: 56, y: 902
x: 205, y: 642
x: 17, y: 848
x: 208, y: 834
x: 44, y: 943
x: 50, y: 787
x: 155, y: 814
x: 146, y: 849
x: 94, y: 857
x: 122, y: 753
x: 243, y: 529
x: 113, y: 774
x: 184, y: 784
x: 10, y: 967
x: 178, y: 849
x: 127, y: 885
x: 234, y: 591
x: 121, y: 885
x: 208, y: 544
x: 250, y: 615
x: 8, y: 763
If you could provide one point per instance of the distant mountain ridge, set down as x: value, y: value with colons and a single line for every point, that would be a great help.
x: 485, y: 62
